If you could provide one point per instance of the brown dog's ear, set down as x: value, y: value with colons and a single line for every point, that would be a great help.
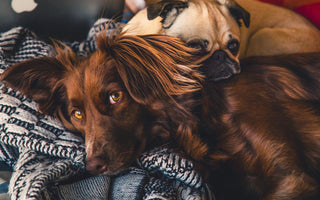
x: 38, y: 79
x: 167, y: 9
x: 152, y: 66
x: 236, y: 11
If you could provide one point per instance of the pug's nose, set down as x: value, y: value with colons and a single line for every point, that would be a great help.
x: 220, y: 55
x: 96, y: 165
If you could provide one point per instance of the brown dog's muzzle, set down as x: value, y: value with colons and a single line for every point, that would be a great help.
x: 112, y: 156
x: 96, y: 165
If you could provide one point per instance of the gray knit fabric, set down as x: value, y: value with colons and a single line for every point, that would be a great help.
x: 37, y: 146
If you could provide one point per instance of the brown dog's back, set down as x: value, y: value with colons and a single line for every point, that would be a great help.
x: 264, y: 125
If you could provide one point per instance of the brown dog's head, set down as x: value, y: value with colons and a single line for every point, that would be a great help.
x: 114, y: 97
x: 211, y: 26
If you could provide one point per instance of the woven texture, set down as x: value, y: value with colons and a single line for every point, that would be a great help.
x: 37, y: 146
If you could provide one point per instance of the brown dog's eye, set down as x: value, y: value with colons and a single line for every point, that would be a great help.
x: 115, y: 97
x: 77, y: 114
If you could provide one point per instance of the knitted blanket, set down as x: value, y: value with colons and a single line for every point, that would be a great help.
x: 48, y: 161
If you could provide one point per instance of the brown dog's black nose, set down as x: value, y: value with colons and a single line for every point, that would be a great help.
x: 96, y: 165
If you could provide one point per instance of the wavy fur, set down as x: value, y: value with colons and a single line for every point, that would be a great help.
x: 150, y: 72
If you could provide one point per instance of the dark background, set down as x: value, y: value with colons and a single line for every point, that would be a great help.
x: 66, y: 20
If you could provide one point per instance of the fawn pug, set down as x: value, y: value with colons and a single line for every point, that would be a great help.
x: 228, y: 29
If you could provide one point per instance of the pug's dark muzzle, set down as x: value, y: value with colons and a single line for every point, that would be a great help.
x: 220, y: 66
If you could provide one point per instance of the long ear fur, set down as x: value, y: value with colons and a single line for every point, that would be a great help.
x: 152, y: 66
x: 40, y: 79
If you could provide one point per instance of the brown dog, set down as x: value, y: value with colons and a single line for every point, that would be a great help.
x: 256, y: 136
x: 263, y: 130
x: 213, y: 26
x: 119, y: 98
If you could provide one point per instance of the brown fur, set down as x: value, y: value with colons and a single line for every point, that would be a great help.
x: 255, y: 136
x: 147, y: 71
x: 263, y: 128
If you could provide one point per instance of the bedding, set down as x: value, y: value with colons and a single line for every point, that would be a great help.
x: 48, y: 162
x: 308, y: 8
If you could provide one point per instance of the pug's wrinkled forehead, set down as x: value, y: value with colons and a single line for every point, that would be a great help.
x: 172, y: 8
x: 210, y: 26
x: 204, y: 24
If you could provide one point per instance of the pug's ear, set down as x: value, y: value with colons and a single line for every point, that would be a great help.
x: 236, y: 11
x: 167, y: 9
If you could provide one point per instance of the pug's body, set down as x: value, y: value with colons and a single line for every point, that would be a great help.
x: 275, y: 30
x: 211, y: 25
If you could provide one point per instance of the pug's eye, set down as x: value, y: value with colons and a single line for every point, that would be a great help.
x: 233, y: 46
x: 115, y: 97
x: 77, y: 114
x: 200, y: 45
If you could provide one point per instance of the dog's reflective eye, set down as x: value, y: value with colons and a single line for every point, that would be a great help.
x: 233, y: 46
x: 77, y: 114
x: 115, y: 97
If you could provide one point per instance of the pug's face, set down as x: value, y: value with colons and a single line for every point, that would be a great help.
x: 211, y: 26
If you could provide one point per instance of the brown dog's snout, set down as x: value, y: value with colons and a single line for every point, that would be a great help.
x: 96, y: 165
